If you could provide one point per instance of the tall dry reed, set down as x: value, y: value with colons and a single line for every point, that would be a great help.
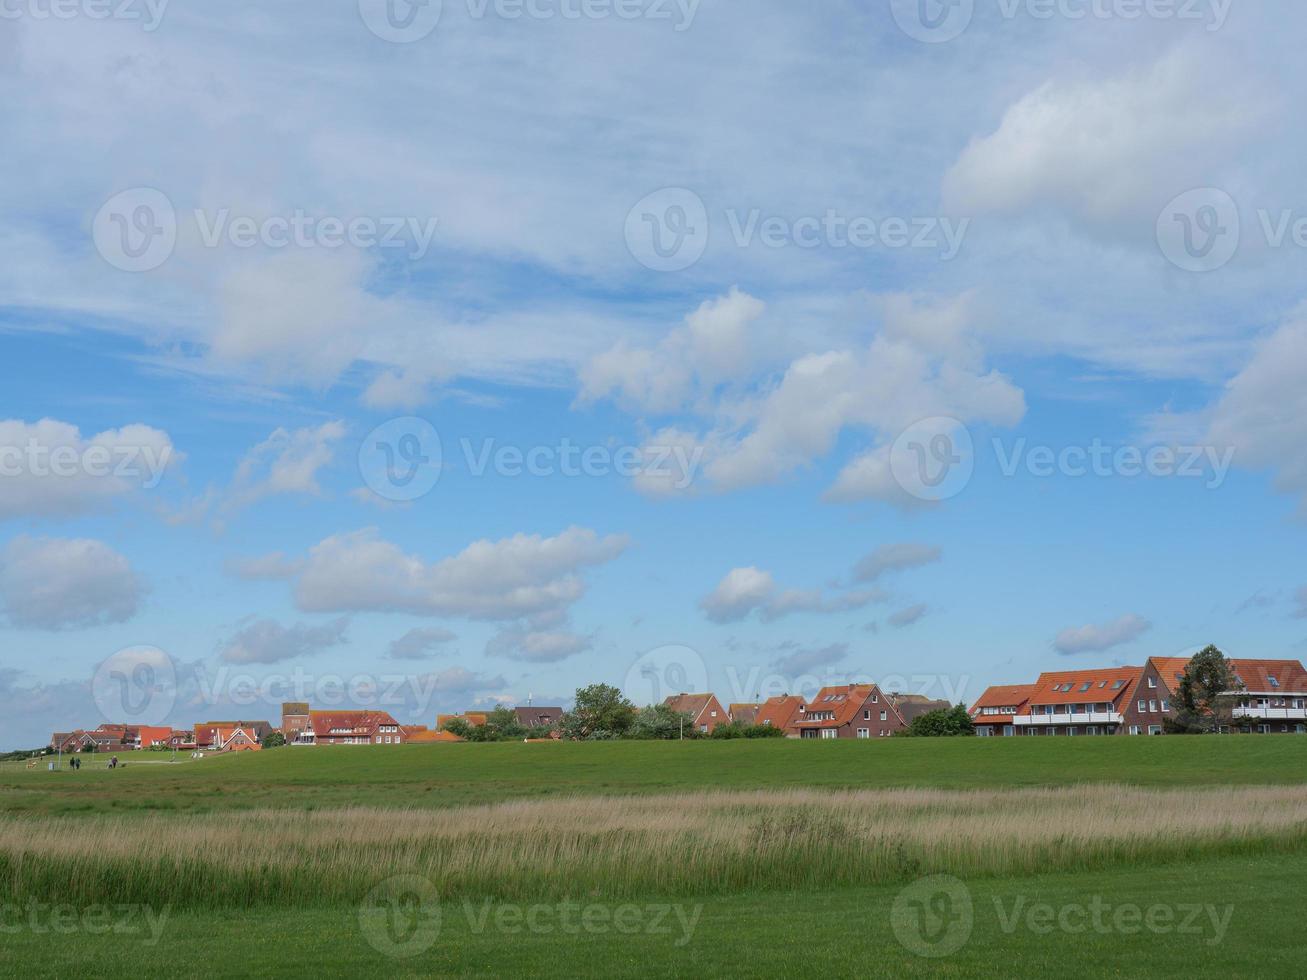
x: 634, y: 846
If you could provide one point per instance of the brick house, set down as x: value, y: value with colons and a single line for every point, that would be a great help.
x: 216, y: 736
x: 744, y: 714
x: 850, y: 711
x: 294, y: 718
x: 1272, y: 694
x: 913, y: 706
x: 783, y: 712
x: 1082, y: 702
x: 995, y: 713
x: 705, y: 711
x: 366, y: 727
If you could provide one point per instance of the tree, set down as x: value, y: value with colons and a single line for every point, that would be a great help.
x: 1207, y: 695
x: 942, y: 723
x: 90, y: 747
x: 503, y: 725
x: 600, y: 712
x: 273, y: 740
x: 658, y: 721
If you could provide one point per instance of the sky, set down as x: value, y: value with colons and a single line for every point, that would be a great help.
x: 430, y: 357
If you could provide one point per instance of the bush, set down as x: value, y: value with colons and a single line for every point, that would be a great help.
x: 273, y: 740
x: 945, y: 723
x: 737, y: 729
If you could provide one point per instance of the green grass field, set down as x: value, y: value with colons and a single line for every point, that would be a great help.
x: 457, y: 775
x: 1149, y: 857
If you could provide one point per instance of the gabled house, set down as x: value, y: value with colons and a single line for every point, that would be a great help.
x: 913, y: 706
x: 1271, y: 694
x: 850, y: 711
x: 705, y: 711
x: 535, y: 716
x: 996, y: 711
x: 1087, y: 702
x: 213, y: 736
x: 744, y: 714
x: 365, y: 727
x: 783, y: 712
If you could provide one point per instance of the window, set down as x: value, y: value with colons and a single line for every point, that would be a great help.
x: 1143, y: 706
x: 712, y: 714
x: 884, y: 716
x: 1134, y: 729
x: 1102, y: 684
x: 1274, y: 681
x: 1166, y: 705
x: 1117, y: 685
x: 1154, y: 729
x: 1152, y: 682
x: 1086, y: 686
x: 866, y: 715
x: 875, y: 699
x: 864, y: 733
x: 1152, y: 706
x: 828, y: 733
x: 1091, y: 730
x: 1071, y: 730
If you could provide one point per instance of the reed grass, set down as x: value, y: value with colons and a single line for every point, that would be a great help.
x: 592, y: 847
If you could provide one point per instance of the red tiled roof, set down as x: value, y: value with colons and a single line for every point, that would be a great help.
x: 780, y: 712
x: 844, y: 701
x: 348, y: 723
x: 693, y: 705
x: 1112, y: 684
x: 1004, y: 696
x: 1289, y: 675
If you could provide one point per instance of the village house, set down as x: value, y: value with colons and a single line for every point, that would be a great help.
x: 535, y: 716
x: 744, y: 714
x: 783, y: 712
x: 230, y: 736
x: 704, y: 710
x: 1270, y: 698
x: 365, y: 727
x: 850, y: 711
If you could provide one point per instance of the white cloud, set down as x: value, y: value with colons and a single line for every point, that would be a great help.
x: 713, y: 345
x: 808, y: 661
x: 895, y: 558
x: 744, y: 591
x: 266, y: 641
x: 1262, y: 414
x: 47, y: 469
x: 1099, y: 639
x: 288, y: 461
x: 59, y: 583
x: 418, y: 644
x: 493, y: 580
x: 1109, y: 152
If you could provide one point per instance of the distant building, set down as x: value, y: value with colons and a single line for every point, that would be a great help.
x: 705, y: 711
x: 850, y: 711
x: 782, y: 712
x: 538, y: 717
x: 294, y: 718
x: 366, y: 727
x: 744, y: 714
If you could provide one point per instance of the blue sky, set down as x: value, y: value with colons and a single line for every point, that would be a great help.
x: 875, y: 246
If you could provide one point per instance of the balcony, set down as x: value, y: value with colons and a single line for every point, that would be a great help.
x: 1275, y: 714
x: 1070, y: 718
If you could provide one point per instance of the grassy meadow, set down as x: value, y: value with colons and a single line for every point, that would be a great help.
x: 803, y: 851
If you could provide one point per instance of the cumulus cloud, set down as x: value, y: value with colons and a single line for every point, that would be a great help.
x: 1262, y: 413
x: 266, y: 641
x: 908, y: 617
x: 711, y: 346
x: 60, y: 584
x: 744, y: 591
x: 895, y: 558
x: 490, y: 580
x: 1108, y: 152
x: 1099, y: 639
x: 419, y: 644
x: 923, y: 363
x: 288, y: 461
x: 48, y: 469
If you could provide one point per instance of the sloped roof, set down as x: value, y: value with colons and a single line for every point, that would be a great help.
x: 1111, y: 684
x: 693, y: 705
x: 746, y: 714
x: 1258, y: 676
x: 845, y: 701
x: 780, y: 712
x: 1004, y: 696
